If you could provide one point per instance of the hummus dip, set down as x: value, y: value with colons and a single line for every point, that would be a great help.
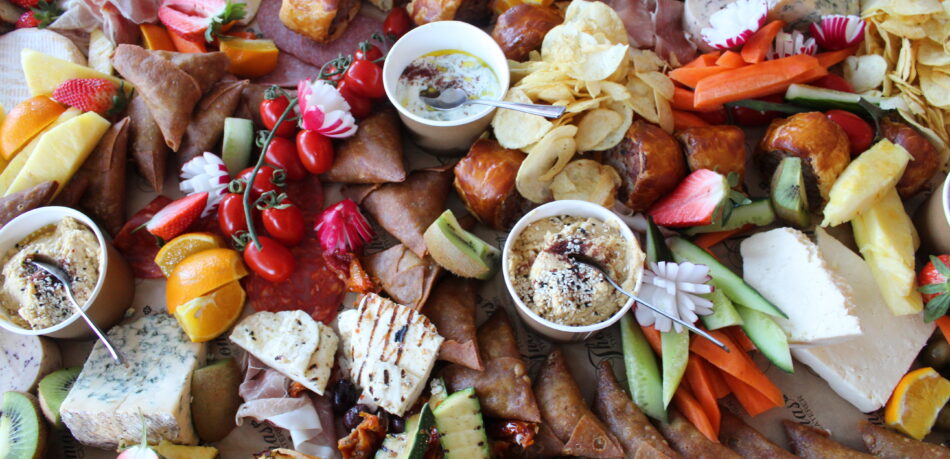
x: 32, y: 298
x: 569, y: 293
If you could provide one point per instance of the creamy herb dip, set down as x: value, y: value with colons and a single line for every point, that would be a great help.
x: 440, y: 70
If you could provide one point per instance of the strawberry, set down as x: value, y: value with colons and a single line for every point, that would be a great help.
x: 934, y: 281
x: 197, y: 20
x: 25, y: 4
x: 341, y: 227
x: 177, y: 216
x: 27, y: 20
x: 41, y: 13
x: 698, y: 200
x: 99, y: 95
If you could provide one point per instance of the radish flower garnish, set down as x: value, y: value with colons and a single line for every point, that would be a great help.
x: 734, y: 24
x: 342, y: 227
x: 205, y: 173
x: 674, y: 288
x: 791, y: 44
x: 838, y: 31
x: 323, y: 109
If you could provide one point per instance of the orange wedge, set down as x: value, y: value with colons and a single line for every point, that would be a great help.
x: 206, y: 317
x: 916, y: 401
x: 250, y: 58
x: 183, y: 246
x: 156, y: 37
x: 25, y: 121
x: 201, y: 273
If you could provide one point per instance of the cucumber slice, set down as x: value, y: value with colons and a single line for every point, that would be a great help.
x: 656, y: 244
x: 824, y: 99
x: 413, y: 442
x: 675, y: 354
x: 767, y: 336
x: 238, y: 139
x: 643, y: 375
x: 732, y: 285
x: 461, y: 428
x: 724, y: 312
x: 758, y: 212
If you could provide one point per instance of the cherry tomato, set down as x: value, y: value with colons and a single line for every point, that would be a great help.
x: 860, y: 133
x: 714, y: 117
x: 315, y: 151
x: 271, y: 109
x: 284, y: 222
x: 367, y: 51
x: 332, y: 73
x: 748, y: 117
x: 832, y: 81
x: 268, y: 179
x: 365, y: 78
x: 231, y: 216
x: 245, y: 34
x: 272, y: 260
x: 282, y: 154
x: 397, y: 22
x: 360, y: 106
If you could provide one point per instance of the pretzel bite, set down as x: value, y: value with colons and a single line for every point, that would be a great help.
x: 717, y: 148
x: 485, y: 180
x: 650, y: 164
x: 521, y: 29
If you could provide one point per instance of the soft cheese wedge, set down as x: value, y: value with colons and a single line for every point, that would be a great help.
x: 392, y: 349
x: 865, y: 181
x: 60, y: 152
x: 292, y: 343
x: 887, y: 240
x: 44, y: 72
x: 16, y: 164
x: 787, y: 269
x: 865, y: 370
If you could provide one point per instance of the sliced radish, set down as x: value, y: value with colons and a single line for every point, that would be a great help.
x: 791, y: 44
x: 342, y: 227
x: 838, y: 31
x: 734, y: 24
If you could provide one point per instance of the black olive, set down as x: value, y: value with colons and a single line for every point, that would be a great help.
x: 384, y: 417
x: 344, y: 396
x: 397, y: 424
x: 352, y: 417
x: 936, y: 354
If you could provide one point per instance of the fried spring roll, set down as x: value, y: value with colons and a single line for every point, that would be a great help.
x: 373, y: 155
x: 407, y: 278
x: 207, y: 124
x: 888, y: 444
x: 812, y: 443
x: 205, y: 68
x: 690, y: 442
x: 746, y: 441
x: 496, y: 338
x: 104, y: 198
x: 452, y: 309
x: 148, y: 148
x: 12, y: 205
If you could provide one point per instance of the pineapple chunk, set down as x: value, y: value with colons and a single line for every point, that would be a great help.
x: 60, y: 152
x: 100, y: 52
x: 865, y: 181
x: 169, y: 450
x: 16, y: 164
x: 885, y: 236
x: 44, y: 72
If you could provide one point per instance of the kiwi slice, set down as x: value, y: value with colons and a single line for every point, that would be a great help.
x: 215, y: 399
x: 22, y: 430
x: 789, y: 198
x: 53, y: 390
x: 459, y: 251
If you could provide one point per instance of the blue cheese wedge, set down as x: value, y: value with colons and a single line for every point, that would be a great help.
x: 292, y: 343
x: 787, y: 269
x: 105, y: 406
x: 391, y: 348
x: 865, y: 370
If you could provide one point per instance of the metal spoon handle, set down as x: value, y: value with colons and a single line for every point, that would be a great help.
x: 547, y: 111
x: 92, y: 325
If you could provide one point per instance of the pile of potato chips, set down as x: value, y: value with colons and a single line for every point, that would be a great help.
x: 586, y: 65
x: 914, y: 39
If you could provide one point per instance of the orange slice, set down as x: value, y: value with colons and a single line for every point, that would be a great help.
x: 182, y: 246
x: 916, y: 401
x: 156, y: 37
x: 250, y: 58
x: 25, y: 121
x: 208, y: 316
x: 201, y: 273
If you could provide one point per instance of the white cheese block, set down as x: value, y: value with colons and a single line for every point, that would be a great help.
x: 13, y: 89
x: 103, y: 407
x: 292, y: 343
x: 25, y: 359
x: 798, y: 14
x: 865, y: 370
x: 392, y: 349
x: 786, y: 268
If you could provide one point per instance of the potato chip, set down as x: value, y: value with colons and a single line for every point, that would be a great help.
x: 659, y: 82
x: 587, y: 180
x: 597, y: 17
x: 615, y: 91
x: 515, y: 129
x: 594, y: 127
x: 583, y: 105
x: 545, y: 159
x: 645, y: 60
x: 614, y: 138
x: 935, y: 87
x: 664, y: 113
x: 931, y: 53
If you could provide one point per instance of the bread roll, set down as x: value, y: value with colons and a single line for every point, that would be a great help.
x: 485, y: 180
x: 521, y: 29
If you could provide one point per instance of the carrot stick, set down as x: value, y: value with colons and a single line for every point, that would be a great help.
x: 653, y: 337
x: 830, y: 58
x: 697, y: 376
x: 757, y: 46
x: 736, y: 363
x: 184, y: 45
x: 754, y: 402
x: 811, y: 75
x: 730, y: 59
x: 682, y: 99
x: 944, y: 324
x: 751, y: 81
x: 707, y: 240
x: 693, y: 410
x: 683, y: 120
x: 690, y: 76
x: 740, y: 338
x: 717, y: 382
x: 704, y: 60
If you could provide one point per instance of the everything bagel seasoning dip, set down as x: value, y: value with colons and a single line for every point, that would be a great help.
x: 440, y: 70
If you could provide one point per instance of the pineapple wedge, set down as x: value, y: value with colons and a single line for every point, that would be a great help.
x: 885, y: 236
x: 865, y: 181
x: 60, y: 152
x: 44, y: 72
x: 16, y: 164
x: 100, y: 52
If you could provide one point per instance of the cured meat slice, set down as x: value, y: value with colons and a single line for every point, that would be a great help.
x: 139, y: 248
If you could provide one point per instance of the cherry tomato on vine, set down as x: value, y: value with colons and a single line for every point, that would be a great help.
x: 272, y: 260
x: 397, y: 22
x: 367, y: 51
x: 283, y: 221
x: 282, y: 154
x: 860, y: 133
x: 268, y: 179
x: 271, y: 109
x: 231, y: 216
x: 315, y: 151
x: 360, y: 106
x: 365, y: 78
x: 332, y: 73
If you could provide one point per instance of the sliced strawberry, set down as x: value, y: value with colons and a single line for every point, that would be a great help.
x: 934, y: 281
x: 92, y: 95
x: 199, y: 20
x: 177, y: 216
x: 41, y: 14
x: 697, y: 200
x: 341, y: 227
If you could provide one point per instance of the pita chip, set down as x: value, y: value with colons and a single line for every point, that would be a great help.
x: 373, y: 155
x: 207, y: 125
x: 405, y: 277
x: 397, y: 207
x: 148, y: 148
x: 104, y: 197
x: 169, y: 92
x: 452, y: 309
x: 13, y: 205
x: 205, y: 68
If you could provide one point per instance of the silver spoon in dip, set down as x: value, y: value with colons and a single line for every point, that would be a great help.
x: 451, y: 98
x: 586, y: 260
x: 51, y: 267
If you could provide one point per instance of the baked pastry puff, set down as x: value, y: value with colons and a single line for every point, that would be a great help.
x: 321, y: 20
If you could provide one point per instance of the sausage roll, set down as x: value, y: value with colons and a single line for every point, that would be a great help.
x: 321, y: 20
x: 521, y: 29
x: 717, y: 148
x: 926, y: 158
x: 485, y: 180
x: 650, y: 164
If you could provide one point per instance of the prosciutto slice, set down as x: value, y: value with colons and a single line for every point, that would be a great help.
x: 656, y: 24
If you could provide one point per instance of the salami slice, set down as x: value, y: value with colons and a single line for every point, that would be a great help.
x: 140, y: 247
x: 307, y: 194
